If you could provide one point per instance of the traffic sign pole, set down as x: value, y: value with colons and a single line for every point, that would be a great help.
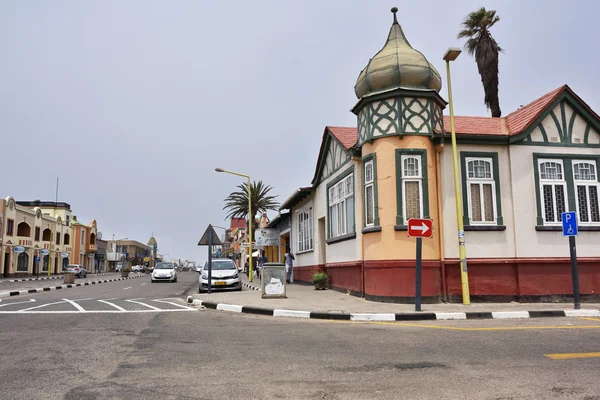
x: 570, y: 229
x: 574, y: 273
x: 210, y: 245
x: 418, y: 280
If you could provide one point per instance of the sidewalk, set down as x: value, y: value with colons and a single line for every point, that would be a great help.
x: 29, y: 287
x: 306, y: 302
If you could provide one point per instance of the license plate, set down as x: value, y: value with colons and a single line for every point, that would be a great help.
x: 221, y: 283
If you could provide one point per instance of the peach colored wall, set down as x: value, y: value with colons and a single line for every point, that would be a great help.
x: 389, y: 244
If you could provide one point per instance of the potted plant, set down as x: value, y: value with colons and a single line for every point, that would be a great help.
x: 125, y: 272
x: 319, y: 279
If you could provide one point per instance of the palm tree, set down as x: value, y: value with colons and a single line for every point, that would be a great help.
x: 476, y: 28
x: 237, y: 202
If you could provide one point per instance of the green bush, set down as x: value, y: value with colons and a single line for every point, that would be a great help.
x: 319, y: 277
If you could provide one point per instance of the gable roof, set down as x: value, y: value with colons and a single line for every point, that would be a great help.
x: 299, y: 195
x: 514, y: 123
x: 237, y: 223
x: 346, y: 136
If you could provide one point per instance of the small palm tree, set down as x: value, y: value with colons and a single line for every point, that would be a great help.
x: 237, y: 202
x: 476, y: 28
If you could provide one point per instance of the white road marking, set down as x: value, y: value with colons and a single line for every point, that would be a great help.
x: 111, y: 304
x: 174, y: 304
x: 127, y: 288
x: 143, y: 284
x: 93, y: 311
x: 144, y: 304
x: 77, y: 306
x: 43, y: 305
x: 19, y: 302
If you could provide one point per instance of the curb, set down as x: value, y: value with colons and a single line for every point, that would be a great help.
x: 45, y: 279
x: 393, y: 316
x: 49, y: 288
x: 250, y: 286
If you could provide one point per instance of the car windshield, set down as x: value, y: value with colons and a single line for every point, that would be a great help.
x: 164, y: 266
x: 220, y: 265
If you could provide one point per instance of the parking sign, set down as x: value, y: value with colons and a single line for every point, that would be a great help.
x: 569, y: 223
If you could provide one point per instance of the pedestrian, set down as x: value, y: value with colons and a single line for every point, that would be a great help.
x: 262, y: 259
x: 289, y: 264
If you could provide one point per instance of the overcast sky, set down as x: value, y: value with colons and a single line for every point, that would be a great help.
x: 134, y: 103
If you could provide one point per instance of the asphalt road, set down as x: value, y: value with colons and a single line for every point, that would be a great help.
x: 142, y: 353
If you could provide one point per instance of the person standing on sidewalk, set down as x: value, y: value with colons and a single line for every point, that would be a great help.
x: 289, y: 264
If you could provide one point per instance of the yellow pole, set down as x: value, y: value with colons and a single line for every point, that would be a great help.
x: 464, y: 275
x: 250, y: 218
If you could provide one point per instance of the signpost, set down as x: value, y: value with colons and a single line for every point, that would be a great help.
x: 570, y: 229
x: 419, y: 228
x: 209, y: 238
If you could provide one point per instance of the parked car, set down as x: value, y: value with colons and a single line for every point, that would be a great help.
x: 76, y: 269
x: 224, y: 276
x: 137, y: 268
x: 164, y: 271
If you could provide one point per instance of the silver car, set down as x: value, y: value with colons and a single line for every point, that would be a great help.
x: 76, y: 269
x: 224, y: 274
x: 164, y: 271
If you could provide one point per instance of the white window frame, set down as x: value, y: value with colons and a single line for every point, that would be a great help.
x: 417, y: 178
x: 305, y: 238
x: 481, y: 182
x: 339, y: 194
x: 587, y: 184
x: 554, y: 182
x: 369, y: 183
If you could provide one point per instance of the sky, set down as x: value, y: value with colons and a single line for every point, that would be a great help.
x: 134, y: 103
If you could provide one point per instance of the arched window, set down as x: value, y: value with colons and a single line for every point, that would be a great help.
x: 92, y: 239
x: 67, y: 239
x: 481, y: 191
x: 586, y: 187
x: 45, y: 261
x: 46, y: 235
x: 23, y: 229
x: 23, y: 262
x: 553, y: 189
x: 412, y: 187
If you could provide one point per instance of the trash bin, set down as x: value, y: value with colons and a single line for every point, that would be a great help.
x: 273, y: 282
x: 69, y: 278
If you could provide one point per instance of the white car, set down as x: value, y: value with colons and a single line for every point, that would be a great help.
x: 164, y: 271
x: 224, y: 276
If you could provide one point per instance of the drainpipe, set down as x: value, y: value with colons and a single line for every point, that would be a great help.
x: 438, y: 153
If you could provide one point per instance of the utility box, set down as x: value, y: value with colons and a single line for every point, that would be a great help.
x: 273, y: 282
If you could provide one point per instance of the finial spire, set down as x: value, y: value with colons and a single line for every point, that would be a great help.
x: 394, y: 11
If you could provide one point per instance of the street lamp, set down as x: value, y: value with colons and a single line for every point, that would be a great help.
x: 451, y: 55
x: 250, y: 223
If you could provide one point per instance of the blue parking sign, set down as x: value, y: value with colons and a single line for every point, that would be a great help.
x: 569, y: 223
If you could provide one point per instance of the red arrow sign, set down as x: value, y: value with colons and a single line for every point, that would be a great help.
x: 418, y: 227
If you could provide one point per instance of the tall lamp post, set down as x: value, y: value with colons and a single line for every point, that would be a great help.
x: 250, y: 223
x: 451, y: 55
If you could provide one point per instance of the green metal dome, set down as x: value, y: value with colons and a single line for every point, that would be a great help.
x: 397, y: 66
x: 152, y: 241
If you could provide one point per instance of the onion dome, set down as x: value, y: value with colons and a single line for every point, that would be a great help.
x: 397, y: 66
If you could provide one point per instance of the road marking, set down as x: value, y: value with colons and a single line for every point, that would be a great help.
x: 19, y: 302
x: 588, y: 319
x: 144, y: 304
x: 567, y: 356
x: 143, y: 283
x: 77, y: 306
x: 174, y: 304
x: 94, y: 311
x: 43, y: 305
x: 127, y: 288
x: 111, y: 304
